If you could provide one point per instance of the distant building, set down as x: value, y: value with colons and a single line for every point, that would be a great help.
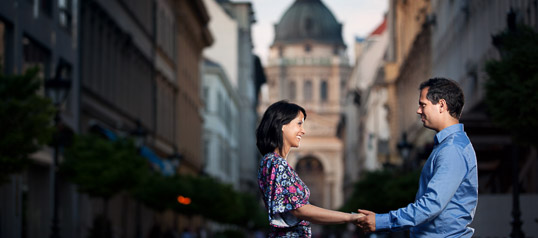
x: 221, y: 127
x: 231, y: 23
x: 364, y: 124
x: 308, y: 65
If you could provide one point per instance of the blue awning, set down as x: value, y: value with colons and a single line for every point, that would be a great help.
x: 158, y: 163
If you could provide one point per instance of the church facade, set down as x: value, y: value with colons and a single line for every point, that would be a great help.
x: 308, y: 65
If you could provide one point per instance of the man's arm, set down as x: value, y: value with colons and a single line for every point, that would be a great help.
x: 449, y: 170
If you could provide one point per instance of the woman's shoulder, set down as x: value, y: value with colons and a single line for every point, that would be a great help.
x: 274, y: 158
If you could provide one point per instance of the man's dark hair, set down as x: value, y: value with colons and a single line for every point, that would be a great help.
x: 447, y: 89
x: 269, y: 131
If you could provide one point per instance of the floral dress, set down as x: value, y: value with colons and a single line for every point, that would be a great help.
x: 283, y: 191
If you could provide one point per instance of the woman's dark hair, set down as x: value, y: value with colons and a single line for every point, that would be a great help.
x: 447, y: 89
x: 269, y: 132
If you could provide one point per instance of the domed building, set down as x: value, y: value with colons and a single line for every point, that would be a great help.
x: 308, y: 65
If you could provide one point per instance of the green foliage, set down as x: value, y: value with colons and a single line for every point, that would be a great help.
x: 209, y: 198
x: 25, y: 120
x: 102, y: 168
x: 511, y: 91
x: 383, y: 191
x: 159, y: 192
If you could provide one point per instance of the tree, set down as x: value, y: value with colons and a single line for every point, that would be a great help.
x: 383, y: 191
x: 513, y: 82
x: 103, y: 168
x: 25, y: 121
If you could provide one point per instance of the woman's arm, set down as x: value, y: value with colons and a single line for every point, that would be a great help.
x: 323, y: 216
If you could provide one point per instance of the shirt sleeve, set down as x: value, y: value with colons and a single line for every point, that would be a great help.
x: 449, y: 170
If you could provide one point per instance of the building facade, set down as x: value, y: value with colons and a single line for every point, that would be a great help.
x: 364, y: 124
x: 308, y: 65
x: 193, y: 36
x: 44, y: 35
x: 462, y: 39
x: 221, y: 127
x: 231, y: 23
x: 452, y: 39
x: 133, y: 65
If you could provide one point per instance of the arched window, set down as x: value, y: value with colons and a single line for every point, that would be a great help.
x: 292, y: 90
x: 312, y: 173
x: 324, y: 91
x: 308, y: 90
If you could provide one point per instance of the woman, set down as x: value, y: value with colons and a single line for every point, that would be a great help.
x: 284, y: 193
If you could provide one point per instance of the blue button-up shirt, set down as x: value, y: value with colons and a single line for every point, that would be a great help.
x: 448, y: 191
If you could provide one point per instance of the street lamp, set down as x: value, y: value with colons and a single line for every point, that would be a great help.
x: 405, y: 149
x: 139, y: 135
x: 57, y: 89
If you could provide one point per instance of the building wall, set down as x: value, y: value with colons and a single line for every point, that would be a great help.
x: 193, y: 36
x: 462, y: 39
x: 406, y: 20
x: 225, y: 49
x: 166, y: 86
x: 494, y: 220
x: 221, y: 124
x: 39, y: 35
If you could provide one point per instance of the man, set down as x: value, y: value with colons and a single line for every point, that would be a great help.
x: 448, y: 189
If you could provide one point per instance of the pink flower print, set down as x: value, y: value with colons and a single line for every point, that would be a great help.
x: 299, y: 186
x: 292, y: 189
x: 278, y: 190
x: 294, y: 198
x: 272, y: 176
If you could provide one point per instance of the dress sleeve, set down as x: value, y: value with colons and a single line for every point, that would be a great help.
x: 288, y: 193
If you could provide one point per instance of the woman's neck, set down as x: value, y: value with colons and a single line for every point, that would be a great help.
x: 284, y: 153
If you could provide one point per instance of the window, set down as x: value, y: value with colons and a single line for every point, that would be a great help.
x: 307, y: 48
x: 324, y: 91
x: 335, y: 50
x: 292, y: 90
x: 65, y: 15
x: 308, y: 90
x: 46, y: 7
x: 35, y: 55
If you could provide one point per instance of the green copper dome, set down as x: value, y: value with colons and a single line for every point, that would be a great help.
x: 308, y: 20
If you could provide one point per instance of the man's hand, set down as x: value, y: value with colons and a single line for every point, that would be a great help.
x: 367, y: 222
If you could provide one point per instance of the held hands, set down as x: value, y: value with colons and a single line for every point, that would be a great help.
x: 367, y: 221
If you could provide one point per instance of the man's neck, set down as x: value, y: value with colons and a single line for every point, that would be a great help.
x: 447, y: 124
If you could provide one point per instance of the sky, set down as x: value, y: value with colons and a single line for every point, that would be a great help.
x: 359, y: 18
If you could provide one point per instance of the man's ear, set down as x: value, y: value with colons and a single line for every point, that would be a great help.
x: 442, y: 105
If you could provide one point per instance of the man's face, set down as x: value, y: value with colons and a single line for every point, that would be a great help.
x: 429, y: 113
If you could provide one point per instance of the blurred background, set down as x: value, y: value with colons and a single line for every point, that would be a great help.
x: 137, y: 118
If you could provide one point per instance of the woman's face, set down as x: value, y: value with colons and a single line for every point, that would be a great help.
x: 293, y: 131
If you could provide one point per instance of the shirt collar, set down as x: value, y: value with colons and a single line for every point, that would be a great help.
x: 440, y: 136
